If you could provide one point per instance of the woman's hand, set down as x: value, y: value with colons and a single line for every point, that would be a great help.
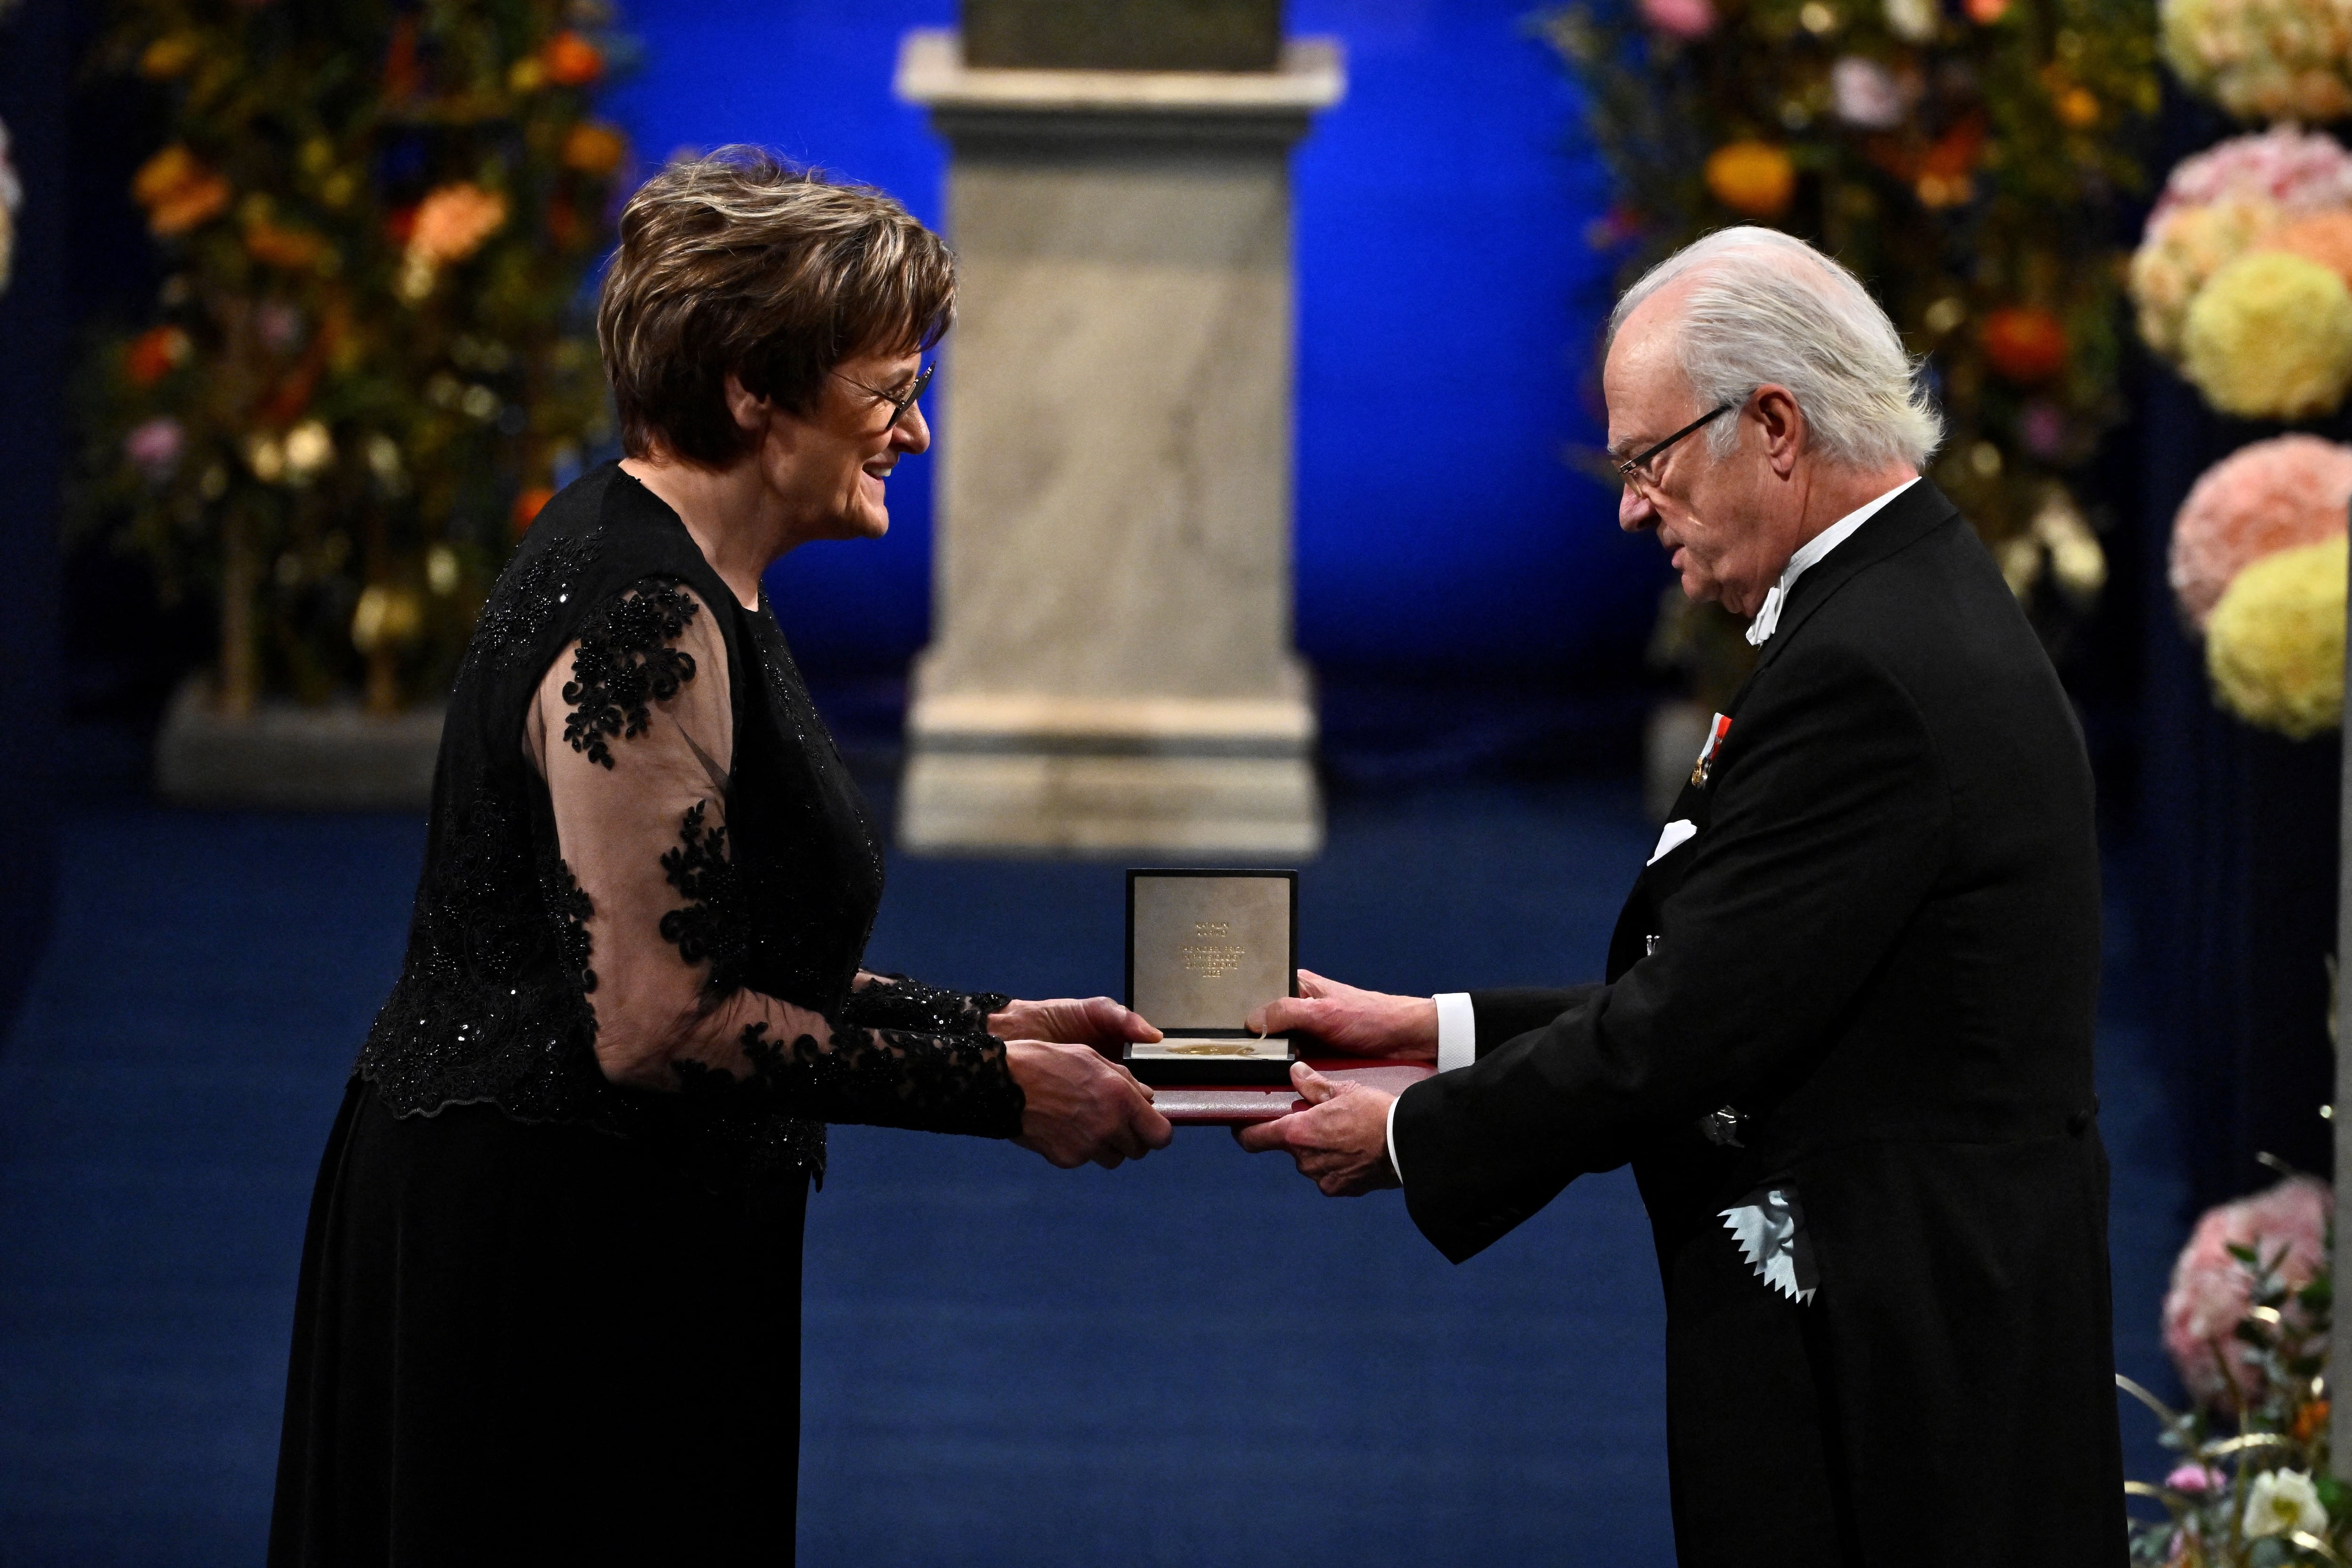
x: 1078, y: 1107
x: 1095, y: 1021
x: 1354, y: 1022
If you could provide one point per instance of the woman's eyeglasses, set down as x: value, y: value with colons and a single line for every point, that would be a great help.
x: 1634, y: 470
x: 899, y: 402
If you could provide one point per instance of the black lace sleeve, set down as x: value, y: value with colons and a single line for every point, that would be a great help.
x: 922, y: 1060
x: 895, y: 1002
x: 881, y: 1078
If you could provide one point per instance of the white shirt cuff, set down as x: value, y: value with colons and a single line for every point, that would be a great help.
x: 1457, y: 1030
x: 1457, y: 1047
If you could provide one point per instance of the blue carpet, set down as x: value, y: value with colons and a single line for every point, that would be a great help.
x: 1193, y: 1360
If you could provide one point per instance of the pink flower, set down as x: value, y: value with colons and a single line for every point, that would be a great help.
x: 2303, y: 171
x: 2191, y: 1479
x: 1683, y: 18
x: 2042, y: 428
x: 1864, y: 93
x: 2271, y: 495
x: 279, y: 325
x: 155, y: 448
x: 2208, y: 1296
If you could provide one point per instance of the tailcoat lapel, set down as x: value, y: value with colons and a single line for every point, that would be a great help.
x: 1904, y: 520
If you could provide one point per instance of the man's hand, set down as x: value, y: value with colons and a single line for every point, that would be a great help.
x: 1095, y: 1021
x: 1078, y: 1107
x: 1341, y: 1140
x: 1355, y: 1022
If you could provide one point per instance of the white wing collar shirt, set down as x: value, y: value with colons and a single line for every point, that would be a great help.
x: 1458, y: 1021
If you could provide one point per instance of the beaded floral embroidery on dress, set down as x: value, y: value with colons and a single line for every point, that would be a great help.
x: 625, y: 664
x: 882, y: 1077
x: 709, y: 928
x: 895, y: 1002
x: 527, y: 595
x: 571, y: 905
x: 488, y: 1007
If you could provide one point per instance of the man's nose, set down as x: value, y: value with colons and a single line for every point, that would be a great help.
x: 1634, y: 512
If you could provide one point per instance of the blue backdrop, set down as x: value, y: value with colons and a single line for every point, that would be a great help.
x: 1447, y: 299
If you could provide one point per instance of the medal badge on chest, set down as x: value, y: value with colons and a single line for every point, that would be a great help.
x: 1704, y: 769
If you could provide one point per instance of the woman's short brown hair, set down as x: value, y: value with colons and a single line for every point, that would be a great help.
x: 739, y: 263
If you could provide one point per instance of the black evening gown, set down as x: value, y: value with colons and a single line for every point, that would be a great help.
x: 543, y: 1317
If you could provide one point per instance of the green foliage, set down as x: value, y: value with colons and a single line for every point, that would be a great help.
x: 371, y: 349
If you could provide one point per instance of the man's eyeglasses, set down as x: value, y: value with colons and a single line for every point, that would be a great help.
x: 1634, y: 470
x: 899, y: 402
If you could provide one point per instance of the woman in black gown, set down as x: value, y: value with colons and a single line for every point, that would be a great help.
x: 549, y: 1299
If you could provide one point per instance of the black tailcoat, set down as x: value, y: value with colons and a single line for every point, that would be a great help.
x: 1882, y: 948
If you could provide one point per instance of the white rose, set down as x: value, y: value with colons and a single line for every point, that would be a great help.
x: 2282, y: 1501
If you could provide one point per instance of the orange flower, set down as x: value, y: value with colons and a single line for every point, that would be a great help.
x: 570, y: 60
x: 168, y: 56
x: 1985, y: 13
x: 1755, y: 178
x: 594, y: 148
x: 2311, y: 1420
x: 155, y: 353
x: 2024, y: 344
x: 1947, y: 176
x: 2324, y: 237
x: 526, y: 505
x: 292, y: 248
x: 179, y: 190
x: 452, y: 222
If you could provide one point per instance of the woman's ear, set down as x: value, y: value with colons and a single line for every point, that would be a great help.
x: 750, y: 414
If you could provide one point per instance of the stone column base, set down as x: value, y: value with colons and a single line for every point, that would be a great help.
x: 284, y: 757
x: 1173, y: 775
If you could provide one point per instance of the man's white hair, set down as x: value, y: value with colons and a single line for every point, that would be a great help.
x: 1763, y: 306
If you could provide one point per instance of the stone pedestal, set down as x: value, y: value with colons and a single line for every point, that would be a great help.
x: 284, y: 757
x: 1111, y: 666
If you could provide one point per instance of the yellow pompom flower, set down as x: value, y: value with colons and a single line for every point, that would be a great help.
x: 2183, y: 248
x: 2274, y: 646
x: 2269, y: 337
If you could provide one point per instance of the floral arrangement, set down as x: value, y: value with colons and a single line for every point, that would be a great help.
x: 2249, y: 235
x: 2246, y: 1324
x: 2271, y: 495
x: 2274, y: 645
x: 2258, y: 567
x: 2212, y: 1291
x: 2264, y: 60
x: 369, y: 362
x: 1963, y: 158
x: 2222, y: 204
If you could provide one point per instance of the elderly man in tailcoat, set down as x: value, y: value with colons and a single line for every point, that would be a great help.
x: 1844, y: 1035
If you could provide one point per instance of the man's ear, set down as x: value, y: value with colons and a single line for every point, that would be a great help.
x: 1783, y: 423
x: 749, y: 413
